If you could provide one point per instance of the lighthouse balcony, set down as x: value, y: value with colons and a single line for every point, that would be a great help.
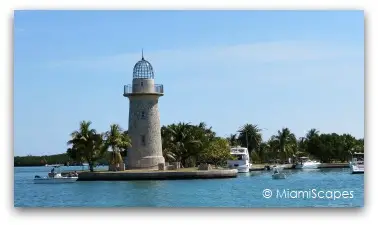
x: 134, y: 89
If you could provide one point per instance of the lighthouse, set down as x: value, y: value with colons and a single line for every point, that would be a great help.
x: 144, y: 118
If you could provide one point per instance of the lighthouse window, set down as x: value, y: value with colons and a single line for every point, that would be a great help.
x: 143, y: 140
x: 143, y: 116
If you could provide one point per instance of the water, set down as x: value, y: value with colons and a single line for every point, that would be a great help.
x: 244, y: 191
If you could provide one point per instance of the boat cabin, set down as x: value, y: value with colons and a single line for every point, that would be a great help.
x: 240, y: 153
x: 358, y: 157
x: 241, y: 159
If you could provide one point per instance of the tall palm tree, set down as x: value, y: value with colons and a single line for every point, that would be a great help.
x: 311, y: 134
x: 84, y: 132
x: 301, y: 147
x: 87, y: 144
x: 181, y: 142
x: 250, y: 136
x: 117, y: 141
x: 126, y: 143
x: 209, y: 133
x: 95, y: 149
x: 287, y: 142
x: 273, y: 146
x: 167, y: 146
x: 233, y: 140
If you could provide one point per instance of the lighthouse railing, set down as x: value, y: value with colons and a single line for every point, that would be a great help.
x: 128, y: 89
x: 159, y: 88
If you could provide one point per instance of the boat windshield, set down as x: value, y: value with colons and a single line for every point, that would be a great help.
x: 358, y: 156
x: 240, y: 156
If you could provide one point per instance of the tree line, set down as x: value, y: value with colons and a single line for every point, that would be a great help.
x: 192, y: 144
x: 63, y: 159
x: 326, y: 147
x: 40, y: 160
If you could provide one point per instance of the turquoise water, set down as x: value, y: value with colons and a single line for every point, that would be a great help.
x: 302, y: 188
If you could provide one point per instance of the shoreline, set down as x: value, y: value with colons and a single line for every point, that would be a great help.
x: 256, y: 166
x: 260, y: 167
x: 181, y: 174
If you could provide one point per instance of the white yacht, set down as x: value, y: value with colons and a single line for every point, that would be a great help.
x: 54, y: 178
x: 306, y: 163
x: 357, y: 164
x: 277, y: 173
x: 241, y: 163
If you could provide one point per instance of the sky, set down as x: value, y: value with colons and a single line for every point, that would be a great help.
x: 295, y: 69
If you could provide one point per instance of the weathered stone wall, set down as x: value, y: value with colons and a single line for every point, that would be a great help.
x: 144, y: 128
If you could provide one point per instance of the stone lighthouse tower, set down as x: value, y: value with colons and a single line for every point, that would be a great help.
x: 144, y: 118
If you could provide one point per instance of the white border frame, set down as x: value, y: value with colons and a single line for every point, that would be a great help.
x: 214, y: 216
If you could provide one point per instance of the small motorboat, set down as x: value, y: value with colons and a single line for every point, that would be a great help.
x: 55, y: 178
x: 277, y: 174
x: 306, y: 163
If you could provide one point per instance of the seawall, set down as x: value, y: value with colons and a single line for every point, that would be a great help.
x: 157, y: 175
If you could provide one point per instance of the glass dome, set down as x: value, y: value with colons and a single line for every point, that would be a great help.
x: 143, y: 69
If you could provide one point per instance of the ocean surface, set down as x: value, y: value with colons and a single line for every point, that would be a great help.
x: 301, y: 188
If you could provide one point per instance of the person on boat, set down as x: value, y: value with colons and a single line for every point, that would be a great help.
x: 52, y: 173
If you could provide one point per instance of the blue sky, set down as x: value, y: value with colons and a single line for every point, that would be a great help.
x: 296, y: 69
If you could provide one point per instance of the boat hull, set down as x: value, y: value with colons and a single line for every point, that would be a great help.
x: 55, y: 180
x: 243, y: 169
x: 241, y: 166
x: 308, y: 166
x: 357, y: 169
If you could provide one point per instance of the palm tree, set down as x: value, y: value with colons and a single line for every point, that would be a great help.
x: 250, y: 136
x: 77, y: 138
x: 87, y: 144
x: 311, y: 134
x: 233, y: 140
x: 301, y: 147
x: 84, y: 132
x: 287, y: 142
x: 273, y: 147
x: 96, y: 148
x: 209, y: 133
x: 167, y: 146
x: 126, y: 143
x: 117, y: 141
x: 181, y: 142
